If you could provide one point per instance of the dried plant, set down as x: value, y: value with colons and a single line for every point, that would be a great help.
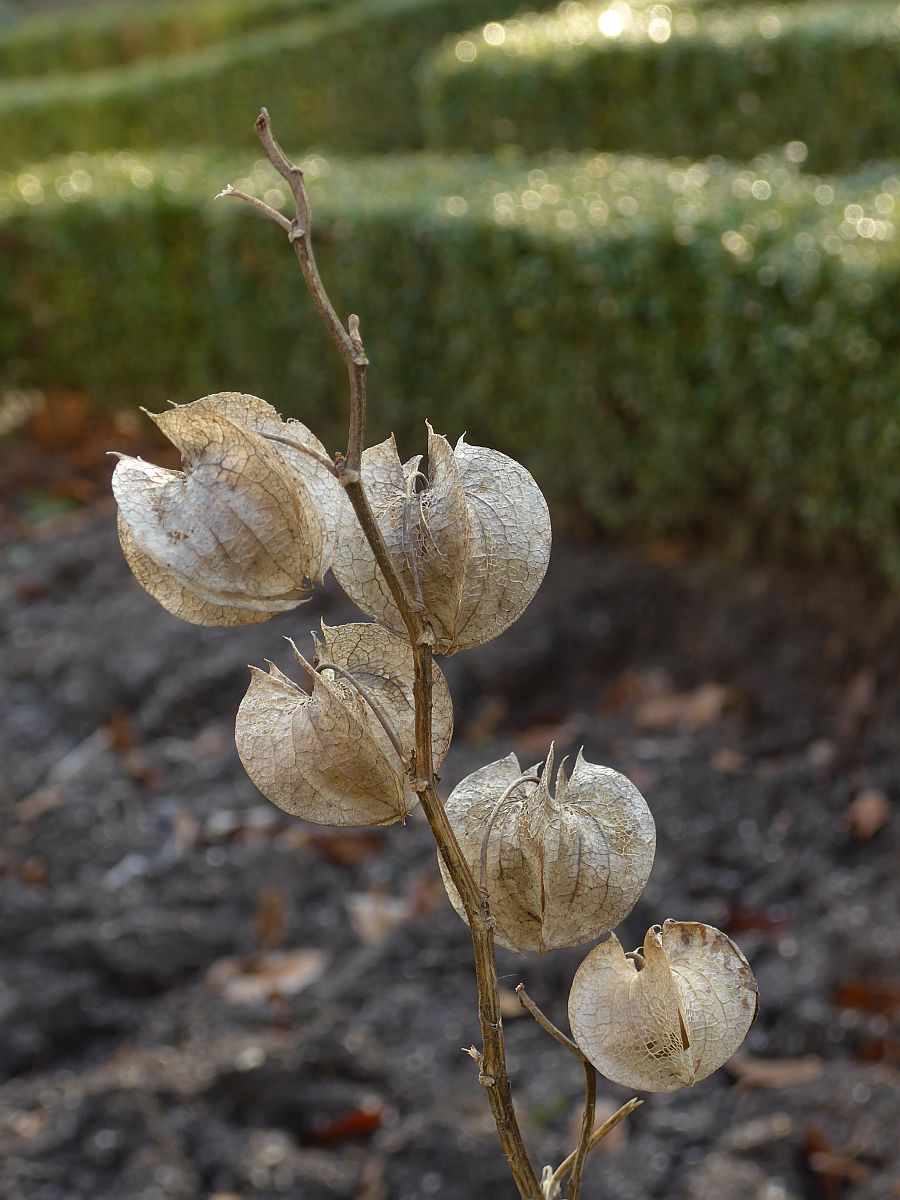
x: 444, y: 552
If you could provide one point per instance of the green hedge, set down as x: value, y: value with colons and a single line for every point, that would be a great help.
x: 702, y: 82
x: 341, y: 79
x: 669, y: 347
x: 93, y: 38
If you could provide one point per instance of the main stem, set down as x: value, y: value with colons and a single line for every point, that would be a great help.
x: 493, y: 1074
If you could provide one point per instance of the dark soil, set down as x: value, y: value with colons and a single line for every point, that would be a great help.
x: 753, y: 710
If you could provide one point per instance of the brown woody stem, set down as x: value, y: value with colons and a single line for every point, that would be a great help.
x: 349, y: 344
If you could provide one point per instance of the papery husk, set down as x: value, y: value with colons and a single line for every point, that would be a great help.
x: 559, y: 869
x: 472, y: 546
x: 673, y: 1021
x: 324, y: 755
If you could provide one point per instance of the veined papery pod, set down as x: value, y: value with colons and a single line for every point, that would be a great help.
x: 472, y: 545
x: 241, y: 531
x: 325, y: 756
x: 667, y: 1023
x: 559, y: 869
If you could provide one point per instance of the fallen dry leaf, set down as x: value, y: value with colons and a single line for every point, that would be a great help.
x: 374, y: 914
x: 270, y: 918
x: 633, y: 687
x: 830, y: 1167
x: 258, y: 979
x: 535, y: 739
x: 687, y: 711
x: 776, y: 1072
x: 348, y: 847
x: 728, y: 761
x: 858, y: 702
x: 867, y: 812
x: 871, y: 996
x: 354, y: 1123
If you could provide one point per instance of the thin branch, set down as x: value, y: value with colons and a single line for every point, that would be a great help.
x: 590, y: 1090
x: 596, y: 1137
x: 347, y: 341
x: 587, y: 1128
x: 349, y: 344
x: 322, y: 459
x: 372, y: 703
x: 547, y: 1025
x: 272, y: 213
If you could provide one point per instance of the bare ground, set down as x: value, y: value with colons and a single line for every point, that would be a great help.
x: 757, y: 711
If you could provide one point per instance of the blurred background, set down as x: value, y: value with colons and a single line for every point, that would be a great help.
x: 650, y: 250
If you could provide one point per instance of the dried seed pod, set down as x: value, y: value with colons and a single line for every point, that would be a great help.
x: 325, y: 755
x: 314, y: 478
x: 472, y: 545
x: 241, y: 531
x: 667, y: 1022
x: 559, y: 870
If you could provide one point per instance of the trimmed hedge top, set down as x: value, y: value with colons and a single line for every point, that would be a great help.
x: 684, y: 79
x: 323, y: 74
x: 671, y: 347
x: 586, y: 195
x: 100, y: 37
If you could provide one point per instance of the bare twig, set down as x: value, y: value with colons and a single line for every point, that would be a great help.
x: 273, y: 214
x: 547, y: 1025
x: 322, y: 459
x: 492, y: 1066
x: 587, y: 1128
x: 577, y: 1159
x: 596, y: 1137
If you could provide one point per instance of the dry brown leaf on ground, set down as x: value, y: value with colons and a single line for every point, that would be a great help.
x: 687, y: 711
x: 258, y: 979
x: 375, y: 914
x: 867, y: 812
x: 776, y: 1072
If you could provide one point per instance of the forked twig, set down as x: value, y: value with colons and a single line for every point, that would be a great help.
x: 577, y: 1158
x: 349, y: 344
x: 596, y: 1137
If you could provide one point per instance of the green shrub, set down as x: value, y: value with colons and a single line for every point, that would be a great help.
x: 107, y: 37
x: 670, y: 347
x: 342, y: 79
x: 730, y: 82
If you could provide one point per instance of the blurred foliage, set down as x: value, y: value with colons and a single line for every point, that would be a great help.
x: 324, y: 74
x: 113, y: 36
x: 675, y: 80
x: 670, y: 347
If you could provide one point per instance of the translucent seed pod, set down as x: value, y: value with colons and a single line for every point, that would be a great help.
x: 669, y: 1016
x: 337, y: 755
x: 559, y: 869
x: 471, y: 543
x: 242, y: 530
